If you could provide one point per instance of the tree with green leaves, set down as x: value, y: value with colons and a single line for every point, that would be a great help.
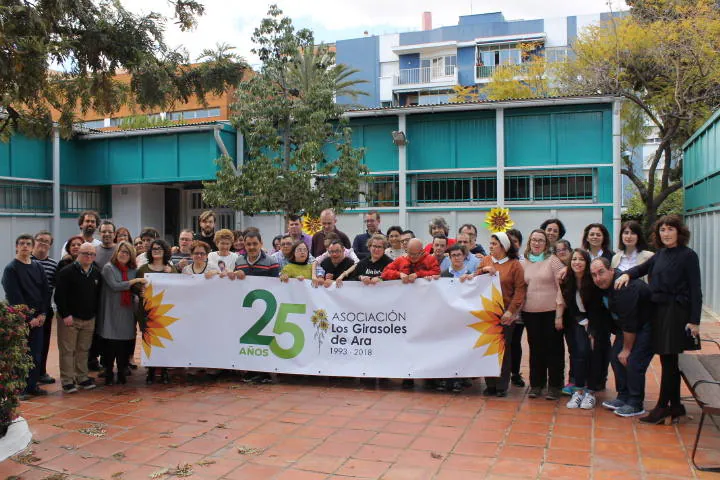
x: 662, y: 58
x: 89, y: 43
x: 301, y: 158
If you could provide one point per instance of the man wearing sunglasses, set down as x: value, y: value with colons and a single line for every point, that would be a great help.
x: 77, y: 296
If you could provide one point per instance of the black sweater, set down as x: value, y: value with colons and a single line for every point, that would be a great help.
x: 77, y: 293
x: 26, y: 284
x: 336, y: 270
x: 674, y: 276
x: 368, y: 268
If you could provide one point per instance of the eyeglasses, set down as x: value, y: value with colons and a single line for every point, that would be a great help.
x: 199, y: 254
x: 457, y: 254
x: 43, y: 242
x: 157, y: 249
x: 537, y: 240
x: 88, y: 254
x: 377, y: 246
x: 561, y: 250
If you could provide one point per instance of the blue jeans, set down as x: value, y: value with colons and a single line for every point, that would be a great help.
x: 35, y: 343
x: 630, y: 380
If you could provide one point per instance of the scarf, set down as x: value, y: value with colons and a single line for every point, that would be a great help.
x: 536, y: 258
x: 125, y: 296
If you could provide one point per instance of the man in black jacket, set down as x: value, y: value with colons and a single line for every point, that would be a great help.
x: 25, y: 283
x: 77, y: 296
x: 632, y: 351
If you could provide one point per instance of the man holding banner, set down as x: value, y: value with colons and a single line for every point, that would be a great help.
x: 416, y: 264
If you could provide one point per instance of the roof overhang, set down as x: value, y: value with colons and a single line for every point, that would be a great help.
x: 487, y: 105
x: 505, y: 39
x: 423, y: 47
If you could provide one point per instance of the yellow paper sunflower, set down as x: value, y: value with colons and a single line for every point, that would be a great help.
x: 311, y: 225
x: 155, y: 322
x: 491, y: 331
x: 498, y: 220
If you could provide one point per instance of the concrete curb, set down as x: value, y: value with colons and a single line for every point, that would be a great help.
x: 16, y: 439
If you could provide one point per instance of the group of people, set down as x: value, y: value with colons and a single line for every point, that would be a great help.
x: 574, y: 298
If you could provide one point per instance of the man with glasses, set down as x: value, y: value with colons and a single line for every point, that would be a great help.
x: 41, y: 250
x: 282, y: 256
x: 335, y: 265
x: 471, y: 261
x: 405, y: 237
x: 77, y: 296
x: 415, y: 264
x: 372, y: 225
x: 183, y: 257
x: 457, y: 268
x: 25, y: 283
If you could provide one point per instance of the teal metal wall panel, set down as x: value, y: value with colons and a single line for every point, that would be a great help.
x: 26, y: 157
x: 528, y: 140
x: 701, y: 166
x: 568, y: 135
x: 69, y: 151
x: 381, y: 154
x: 476, y: 143
x: 90, y: 165
x: 604, y: 185
x: 125, y: 160
x: 580, y: 137
x: 451, y: 140
x: 5, y: 169
x: 430, y: 143
x: 196, y: 155
x: 159, y: 157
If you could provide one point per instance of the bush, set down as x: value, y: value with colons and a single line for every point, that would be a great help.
x: 15, y: 363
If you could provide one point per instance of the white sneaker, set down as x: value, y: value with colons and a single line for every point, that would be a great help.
x: 575, y: 400
x: 588, y: 401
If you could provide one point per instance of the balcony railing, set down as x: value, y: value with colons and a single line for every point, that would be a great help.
x: 414, y: 76
x: 487, y: 71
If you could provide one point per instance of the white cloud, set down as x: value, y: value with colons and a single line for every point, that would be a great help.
x: 233, y: 22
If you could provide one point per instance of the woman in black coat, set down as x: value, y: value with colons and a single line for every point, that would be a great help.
x: 674, y: 280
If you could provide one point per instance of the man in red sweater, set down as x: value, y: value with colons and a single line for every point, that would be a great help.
x: 415, y: 264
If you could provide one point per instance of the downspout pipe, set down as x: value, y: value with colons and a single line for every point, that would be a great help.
x: 56, y: 188
x: 218, y: 140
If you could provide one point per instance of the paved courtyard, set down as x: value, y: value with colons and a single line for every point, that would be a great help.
x: 318, y: 430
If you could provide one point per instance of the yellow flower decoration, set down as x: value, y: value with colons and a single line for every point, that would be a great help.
x: 498, y: 220
x: 491, y: 331
x: 311, y: 225
x: 155, y: 323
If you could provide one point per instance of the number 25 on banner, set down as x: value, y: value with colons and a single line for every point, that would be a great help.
x: 282, y: 324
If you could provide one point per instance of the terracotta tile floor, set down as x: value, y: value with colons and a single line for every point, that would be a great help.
x: 319, y: 430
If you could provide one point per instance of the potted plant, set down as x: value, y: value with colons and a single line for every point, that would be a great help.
x: 15, y: 363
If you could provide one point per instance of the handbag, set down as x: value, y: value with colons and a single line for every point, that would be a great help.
x: 691, y: 343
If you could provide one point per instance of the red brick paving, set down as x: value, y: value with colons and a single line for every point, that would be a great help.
x: 322, y: 430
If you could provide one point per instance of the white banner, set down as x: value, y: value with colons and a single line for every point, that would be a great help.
x: 429, y: 329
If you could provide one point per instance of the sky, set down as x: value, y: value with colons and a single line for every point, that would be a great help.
x: 233, y: 21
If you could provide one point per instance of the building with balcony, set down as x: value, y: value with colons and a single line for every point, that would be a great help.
x: 422, y: 67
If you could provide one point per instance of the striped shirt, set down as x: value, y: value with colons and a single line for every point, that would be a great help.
x: 50, y: 267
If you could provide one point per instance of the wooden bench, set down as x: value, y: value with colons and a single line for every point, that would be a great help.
x: 701, y: 373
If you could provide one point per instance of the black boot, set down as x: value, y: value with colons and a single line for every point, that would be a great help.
x: 150, y: 378
x: 109, y: 377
